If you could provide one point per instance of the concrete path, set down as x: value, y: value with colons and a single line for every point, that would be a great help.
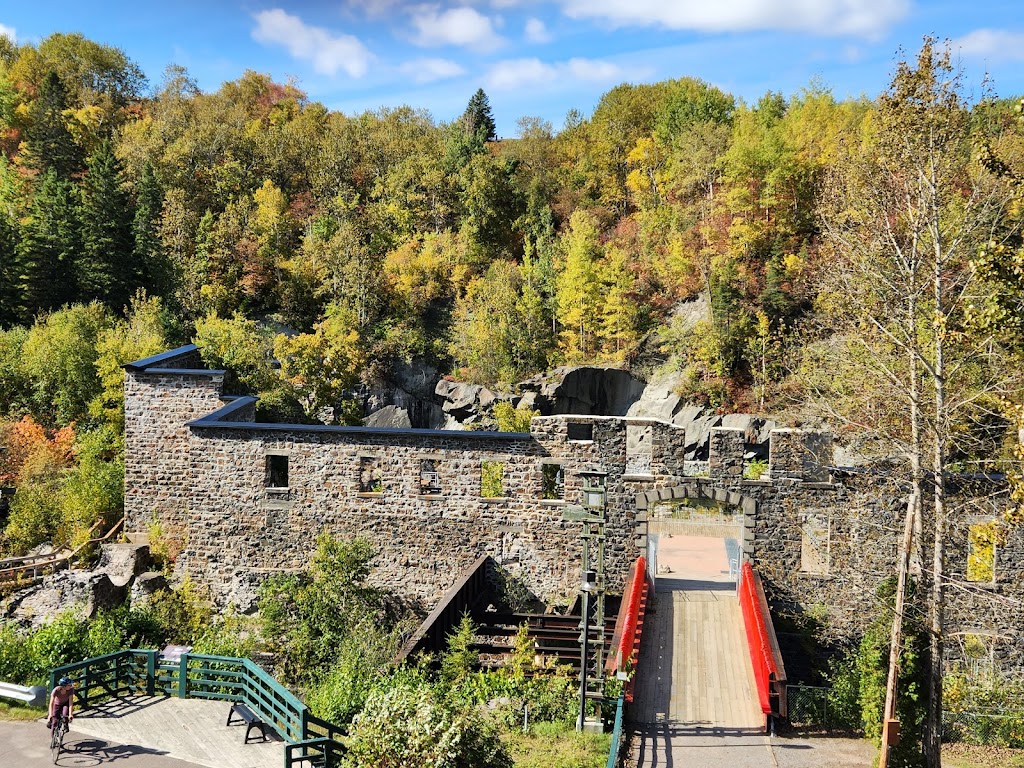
x: 145, y: 732
x: 193, y: 730
x: 27, y: 745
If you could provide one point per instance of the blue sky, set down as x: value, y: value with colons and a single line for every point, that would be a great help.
x: 535, y: 57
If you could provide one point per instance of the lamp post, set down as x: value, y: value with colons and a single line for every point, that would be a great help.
x: 588, y: 585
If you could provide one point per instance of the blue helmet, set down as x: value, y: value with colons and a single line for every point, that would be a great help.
x: 65, y: 681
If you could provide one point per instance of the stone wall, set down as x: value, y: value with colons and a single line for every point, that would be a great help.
x: 162, y: 395
x: 822, y: 538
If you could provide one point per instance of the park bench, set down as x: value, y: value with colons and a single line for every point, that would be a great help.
x: 250, y: 718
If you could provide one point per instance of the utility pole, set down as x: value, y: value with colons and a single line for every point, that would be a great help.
x: 890, y: 725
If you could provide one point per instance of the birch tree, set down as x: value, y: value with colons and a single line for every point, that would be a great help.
x: 904, y: 214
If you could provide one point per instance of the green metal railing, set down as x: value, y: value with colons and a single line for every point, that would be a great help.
x: 616, y: 748
x: 310, y: 740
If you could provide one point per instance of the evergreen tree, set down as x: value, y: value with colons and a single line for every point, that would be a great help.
x: 8, y: 267
x: 50, y: 144
x: 48, y: 248
x: 151, y: 266
x: 105, y: 269
x: 477, y: 121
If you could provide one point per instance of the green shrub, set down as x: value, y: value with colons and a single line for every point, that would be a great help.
x: 409, y: 723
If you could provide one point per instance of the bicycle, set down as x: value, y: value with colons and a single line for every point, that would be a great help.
x: 60, y: 730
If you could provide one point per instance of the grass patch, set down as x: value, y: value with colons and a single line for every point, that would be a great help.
x: 555, y: 745
x: 15, y: 711
x: 977, y: 756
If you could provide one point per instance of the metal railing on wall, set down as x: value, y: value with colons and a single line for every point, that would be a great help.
x: 617, y: 740
x: 224, y: 678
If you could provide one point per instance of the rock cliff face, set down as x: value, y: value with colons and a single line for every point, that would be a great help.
x: 418, y: 397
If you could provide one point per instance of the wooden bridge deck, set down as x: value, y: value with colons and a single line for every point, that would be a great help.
x: 187, y: 729
x: 694, y: 669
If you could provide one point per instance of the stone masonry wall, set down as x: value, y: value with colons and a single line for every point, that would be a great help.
x: 157, y: 468
x: 823, y: 539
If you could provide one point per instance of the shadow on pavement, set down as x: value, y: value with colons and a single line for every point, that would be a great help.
x: 92, y: 752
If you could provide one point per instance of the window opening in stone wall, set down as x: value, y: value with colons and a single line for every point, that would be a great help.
x: 594, y: 486
x: 276, y: 472
x: 430, y: 480
x: 638, y: 449
x: 981, y: 552
x: 371, y: 478
x: 580, y: 430
x: 553, y: 481
x: 492, y: 479
x: 814, y: 544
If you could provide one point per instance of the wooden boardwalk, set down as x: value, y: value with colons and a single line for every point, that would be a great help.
x: 187, y: 729
x: 695, y: 691
x: 694, y: 668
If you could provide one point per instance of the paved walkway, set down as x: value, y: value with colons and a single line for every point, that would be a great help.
x: 145, y: 733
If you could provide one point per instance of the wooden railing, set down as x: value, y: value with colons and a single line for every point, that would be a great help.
x: 309, y: 740
x: 769, y: 672
x: 433, y: 632
x: 34, y: 566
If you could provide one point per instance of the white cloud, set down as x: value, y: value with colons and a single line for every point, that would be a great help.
x: 991, y: 44
x: 464, y: 27
x: 520, y: 73
x: 8, y: 32
x: 869, y: 18
x: 431, y: 70
x: 328, y: 53
x: 536, y: 32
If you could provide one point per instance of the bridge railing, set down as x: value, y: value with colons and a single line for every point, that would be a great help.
x: 629, y: 626
x: 223, y: 678
x: 769, y: 672
x: 617, y: 740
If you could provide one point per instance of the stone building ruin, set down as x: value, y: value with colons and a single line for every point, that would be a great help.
x: 245, y: 499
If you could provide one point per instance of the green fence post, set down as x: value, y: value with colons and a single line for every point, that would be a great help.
x: 183, y: 677
x: 150, y: 673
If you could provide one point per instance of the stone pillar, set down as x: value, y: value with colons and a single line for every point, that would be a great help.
x: 725, y: 453
x: 797, y: 454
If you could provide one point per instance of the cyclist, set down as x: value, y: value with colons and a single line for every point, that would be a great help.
x: 62, y: 701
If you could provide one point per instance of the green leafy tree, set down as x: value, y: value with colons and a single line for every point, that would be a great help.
x: 309, y: 615
x: 139, y: 335
x: 409, y: 723
x: 60, y: 355
x: 241, y: 347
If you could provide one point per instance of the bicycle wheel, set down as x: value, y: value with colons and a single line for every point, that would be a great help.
x: 57, y: 738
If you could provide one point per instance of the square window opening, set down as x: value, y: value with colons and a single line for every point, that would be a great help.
x: 492, y: 479
x: 814, y: 545
x: 276, y: 475
x: 580, y: 430
x: 430, y: 480
x: 981, y: 552
x: 553, y: 481
x: 371, y: 477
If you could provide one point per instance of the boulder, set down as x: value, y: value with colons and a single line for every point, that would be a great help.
x: 123, y: 562
x: 389, y: 416
x: 589, y: 390
x: 145, y: 586
x: 84, y: 592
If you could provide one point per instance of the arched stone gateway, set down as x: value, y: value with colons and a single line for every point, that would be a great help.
x: 699, y: 489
